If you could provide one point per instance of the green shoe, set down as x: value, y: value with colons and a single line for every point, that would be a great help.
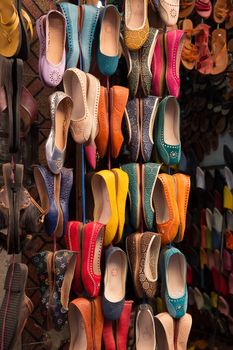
x: 167, y: 131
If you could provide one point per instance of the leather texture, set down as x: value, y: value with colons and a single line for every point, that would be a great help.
x: 118, y: 100
x: 167, y: 227
x: 158, y: 67
x: 50, y: 74
x: 55, y: 155
x: 93, y: 232
x: 123, y: 324
x: 71, y: 13
x: 98, y: 322
x: 66, y: 186
x: 103, y: 134
x: 107, y: 64
x: 170, y: 154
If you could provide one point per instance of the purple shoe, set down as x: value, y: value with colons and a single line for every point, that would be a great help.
x: 51, y: 31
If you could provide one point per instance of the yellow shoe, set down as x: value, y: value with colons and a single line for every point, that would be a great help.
x: 214, y: 299
x: 227, y: 198
x: 105, y: 203
x: 10, y: 29
x: 122, y: 185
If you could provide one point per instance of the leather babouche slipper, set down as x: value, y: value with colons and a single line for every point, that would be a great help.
x: 102, y: 137
x: 164, y: 325
x: 158, y: 67
x: 26, y: 31
x: 60, y: 111
x: 168, y: 11
x: 145, y: 328
x: 219, y: 51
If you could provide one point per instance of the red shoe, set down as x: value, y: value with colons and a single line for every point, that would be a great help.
x: 189, y: 275
x: 123, y: 326
x: 73, y: 239
x: 93, y: 237
x: 108, y: 337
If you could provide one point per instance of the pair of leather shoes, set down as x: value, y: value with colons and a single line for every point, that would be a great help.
x: 86, y: 324
x: 54, y: 192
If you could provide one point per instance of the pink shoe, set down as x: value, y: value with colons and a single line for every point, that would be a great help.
x: 203, y: 8
x: 90, y: 152
x: 51, y: 31
x: 158, y: 67
x: 174, y: 41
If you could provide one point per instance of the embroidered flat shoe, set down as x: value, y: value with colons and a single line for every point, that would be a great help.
x: 114, y: 283
x: 167, y: 131
x: 132, y: 114
x: 71, y: 13
x: 133, y: 65
x: 93, y: 237
x: 65, y: 190
x: 75, y: 86
x: 166, y: 209
x: 103, y: 122
x: 136, y: 28
x: 60, y: 111
x: 118, y: 100
x: 145, y: 328
x: 168, y: 11
x: 105, y: 203
x: 173, y: 268
x: 174, y: 42
x: 51, y: 31
x: 150, y: 173
x: 108, y: 47
x: 158, y: 67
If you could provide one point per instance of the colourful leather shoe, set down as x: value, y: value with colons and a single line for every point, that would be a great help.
x: 174, y: 42
x: 92, y: 245
x: 114, y: 283
x: 90, y: 19
x: 136, y: 28
x: 182, y: 189
x: 148, y: 114
x: 51, y: 31
x: 145, y: 328
x: 182, y: 330
x: 133, y: 65
x: 167, y: 131
x: 75, y: 85
x: 107, y: 56
x: 166, y: 209
x: 122, y: 327
x: 132, y: 114
x: 105, y: 210
x: 118, y: 100
x: 73, y: 239
x: 60, y: 111
x: 133, y: 171
x: 164, y: 325
x: 168, y: 11
x: 122, y: 186
x: 173, y: 269
x: 103, y: 133
x: 97, y: 322
x: 158, y: 67
x: 71, y: 13
x: 150, y: 173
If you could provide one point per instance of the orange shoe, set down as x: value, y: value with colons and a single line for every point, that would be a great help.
x: 182, y: 189
x: 118, y: 100
x: 166, y: 208
x: 102, y: 137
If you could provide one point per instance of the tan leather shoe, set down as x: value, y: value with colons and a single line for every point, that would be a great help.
x: 182, y: 330
x: 80, y: 320
x: 164, y: 326
x: 118, y: 100
x: 98, y: 322
x: 103, y: 133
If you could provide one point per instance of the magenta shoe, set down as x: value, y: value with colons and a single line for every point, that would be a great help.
x: 90, y: 152
x: 174, y: 41
x: 51, y: 31
x: 158, y: 67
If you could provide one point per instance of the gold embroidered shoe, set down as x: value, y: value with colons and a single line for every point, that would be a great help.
x: 136, y: 29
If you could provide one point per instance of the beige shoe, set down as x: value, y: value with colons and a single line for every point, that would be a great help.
x: 168, y: 11
x: 75, y: 85
x: 182, y: 330
x: 145, y: 328
x: 164, y: 325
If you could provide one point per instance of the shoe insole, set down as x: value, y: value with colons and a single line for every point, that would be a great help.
x: 76, y: 94
x: 151, y: 262
x: 78, y: 334
x: 136, y: 14
x: 171, y: 123
x: 175, y: 276
x: 102, y: 203
x: 109, y: 36
x: 145, y: 328
x: 160, y: 203
x: 55, y: 38
x: 97, y: 253
x: 60, y: 128
x: 114, y: 278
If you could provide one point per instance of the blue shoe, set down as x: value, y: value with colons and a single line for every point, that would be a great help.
x: 173, y: 268
x: 167, y: 131
x: 71, y: 13
x: 90, y: 19
x: 109, y: 36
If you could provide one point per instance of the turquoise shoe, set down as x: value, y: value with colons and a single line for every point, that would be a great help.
x: 71, y: 13
x: 167, y: 131
x: 173, y: 267
x: 90, y: 19
x: 107, y: 56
